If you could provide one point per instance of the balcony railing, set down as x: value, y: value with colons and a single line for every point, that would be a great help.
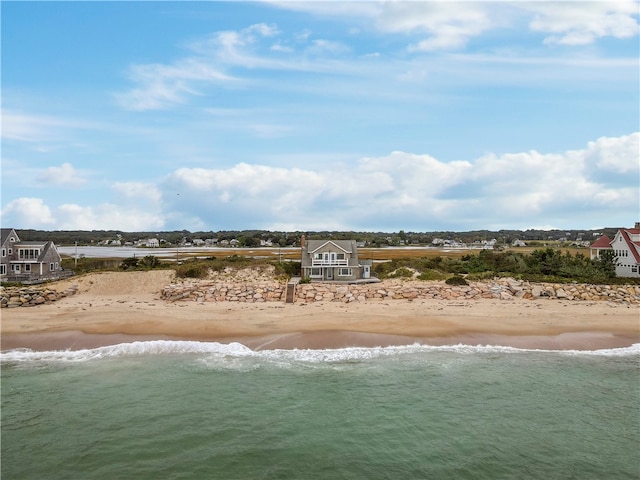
x: 27, y: 278
x: 329, y: 263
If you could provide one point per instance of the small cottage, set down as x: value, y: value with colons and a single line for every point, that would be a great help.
x: 29, y: 262
x: 333, y: 260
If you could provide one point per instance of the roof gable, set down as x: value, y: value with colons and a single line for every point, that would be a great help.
x: 315, y: 245
x: 5, y: 233
x: 602, y: 242
x: 631, y: 245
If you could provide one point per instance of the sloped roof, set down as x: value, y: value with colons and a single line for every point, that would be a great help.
x: 602, y: 242
x: 633, y: 246
x: 344, y: 245
x: 4, y: 234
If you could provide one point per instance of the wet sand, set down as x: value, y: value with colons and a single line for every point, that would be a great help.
x: 90, y: 321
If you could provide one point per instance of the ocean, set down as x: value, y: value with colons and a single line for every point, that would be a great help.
x: 197, y: 410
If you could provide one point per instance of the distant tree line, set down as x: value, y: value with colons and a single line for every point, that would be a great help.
x: 253, y: 238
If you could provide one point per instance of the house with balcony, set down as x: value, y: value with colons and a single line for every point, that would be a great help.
x: 333, y: 261
x: 626, y: 248
x: 29, y: 262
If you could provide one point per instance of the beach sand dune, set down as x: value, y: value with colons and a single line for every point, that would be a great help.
x: 114, y: 307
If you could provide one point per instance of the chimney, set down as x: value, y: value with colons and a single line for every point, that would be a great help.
x: 303, y: 241
x: 637, y: 225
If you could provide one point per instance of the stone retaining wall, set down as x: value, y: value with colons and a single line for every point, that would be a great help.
x: 502, y: 289
x: 12, y: 297
x: 208, y: 291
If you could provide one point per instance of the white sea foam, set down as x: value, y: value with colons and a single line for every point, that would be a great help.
x: 230, y: 351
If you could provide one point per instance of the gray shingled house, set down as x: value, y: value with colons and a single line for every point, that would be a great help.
x: 333, y: 260
x: 29, y: 262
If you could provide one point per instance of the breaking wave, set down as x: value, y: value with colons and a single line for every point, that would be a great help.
x: 238, y: 351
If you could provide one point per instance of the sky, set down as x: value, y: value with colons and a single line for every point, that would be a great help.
x: 311, y: 116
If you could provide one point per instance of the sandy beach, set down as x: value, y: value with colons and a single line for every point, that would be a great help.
x: 115, y: 307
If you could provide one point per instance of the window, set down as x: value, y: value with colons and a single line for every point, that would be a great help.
x: 57, y: 266
x: 345, y: 272
x: 4, y: 252
x: 634, y: 269
x: 51, y: 267
x: 28, y: 253
x: 317, y: 256
x: 3, y: 269
x: 11, y: 251
x: 340, y: 256
x: 15, y: 268
x: 27, y: 267
x: 316, y: 272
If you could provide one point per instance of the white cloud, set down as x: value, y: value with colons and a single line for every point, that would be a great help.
x: 400, y: 190
x: 448, y: 24
x: 27, y: 211
x: 617, y: 154
x: 107, y: 216
x: 164, y: 85
x: 582, y: 23
x: 405, y: 190
x: 452, y: 24
x: 63, y: 176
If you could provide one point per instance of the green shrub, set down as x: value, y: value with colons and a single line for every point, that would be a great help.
x: 456, y: 280
x: 192, y: 270
x: 431, y: 274
x: 481, y: 276
x: 290, y: 269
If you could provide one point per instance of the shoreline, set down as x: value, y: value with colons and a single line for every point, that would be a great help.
x: 322, y: 340
x: 126, y: 307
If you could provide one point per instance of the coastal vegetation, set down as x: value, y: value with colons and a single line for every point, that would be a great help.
x: 548, y: 265
x: 540, y: 265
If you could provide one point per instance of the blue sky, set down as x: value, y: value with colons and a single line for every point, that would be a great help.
x: 380, y: 116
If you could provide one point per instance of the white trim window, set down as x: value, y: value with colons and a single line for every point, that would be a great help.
x: 316, y: 272
x: 4, y: 252
x: 27, y: 267
x: 345, y: 272
x: 3, y: 269
x: 51, y: 267
x: 15, y: 268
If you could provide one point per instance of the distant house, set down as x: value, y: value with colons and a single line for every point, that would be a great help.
x: 152, y: 242
x: 333, y: 260
x: 29, y: 262
x: 602, y: 243
x: 518, y: 243
x: 626, y: 248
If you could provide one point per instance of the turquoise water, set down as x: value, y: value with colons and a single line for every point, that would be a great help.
x: 178, y: 410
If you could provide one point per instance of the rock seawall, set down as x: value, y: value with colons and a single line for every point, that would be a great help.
x: 502, y: 289
x: 12, y: 297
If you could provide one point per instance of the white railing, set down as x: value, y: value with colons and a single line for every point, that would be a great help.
x: 330, y: 263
